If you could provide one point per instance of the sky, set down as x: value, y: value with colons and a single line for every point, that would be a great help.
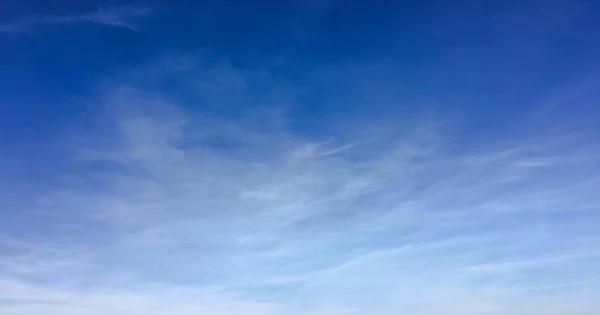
x: 300, y: 157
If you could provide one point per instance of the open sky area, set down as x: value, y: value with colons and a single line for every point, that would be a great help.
x: 300, y: 157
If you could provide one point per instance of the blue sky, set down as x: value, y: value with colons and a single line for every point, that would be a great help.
x: 300, y: 157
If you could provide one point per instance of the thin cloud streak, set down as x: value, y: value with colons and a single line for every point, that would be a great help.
x: 116, y: 17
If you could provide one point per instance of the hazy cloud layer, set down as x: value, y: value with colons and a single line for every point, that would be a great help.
x: 172, y: 210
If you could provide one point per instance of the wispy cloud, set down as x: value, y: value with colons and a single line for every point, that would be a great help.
x: 124, y: 17
x: 189, y: 212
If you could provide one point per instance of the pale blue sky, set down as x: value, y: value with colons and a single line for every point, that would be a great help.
x: 300, y: 157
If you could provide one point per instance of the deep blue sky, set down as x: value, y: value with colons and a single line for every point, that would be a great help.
x: 299, y: 157
x: 490, y: 51
x: 500, y: 54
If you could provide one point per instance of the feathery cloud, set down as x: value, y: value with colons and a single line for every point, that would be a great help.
x: 190, y: 212
x: 124, y: 17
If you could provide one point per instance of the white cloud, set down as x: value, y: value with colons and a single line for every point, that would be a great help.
x: 124, y: 17
x: 197, y: 213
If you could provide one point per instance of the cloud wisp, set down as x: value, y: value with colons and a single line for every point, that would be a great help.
x: 124, y: 17
x: 175, y: 210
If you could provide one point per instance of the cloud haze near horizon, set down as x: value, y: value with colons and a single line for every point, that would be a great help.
x: 174, y: 210
x: 189, y: 185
